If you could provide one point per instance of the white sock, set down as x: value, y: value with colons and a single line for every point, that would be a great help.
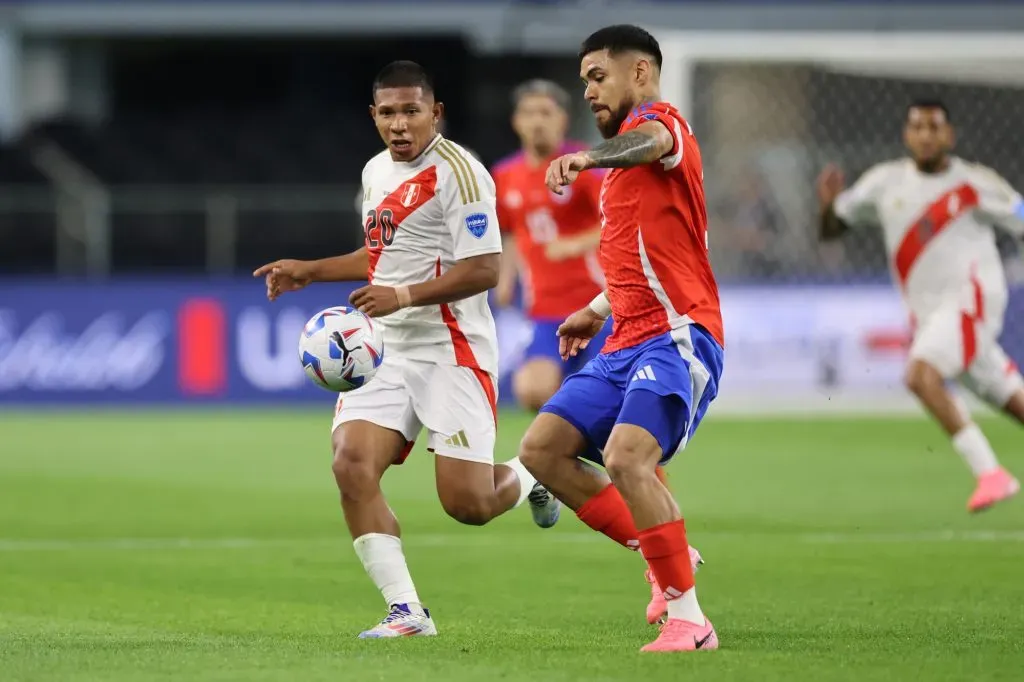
x: 972, y: 445
x: 526, y: 479
x: 384, y: 562
x: 687, y: 608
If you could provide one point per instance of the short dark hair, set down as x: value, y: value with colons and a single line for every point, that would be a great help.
x: 541, y: 86
x: 622, y: 38
x: 404, y: 74
x: 929, y: 103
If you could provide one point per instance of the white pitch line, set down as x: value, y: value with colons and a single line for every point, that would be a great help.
x: 468, y: 540
x: 919, y: 536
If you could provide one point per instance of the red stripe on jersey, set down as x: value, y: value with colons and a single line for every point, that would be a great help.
x: 970, y: 338
x: 464, y: 356
x: 383, y: 222
x: 979, y: 299
x: 935, y: 219
x: 969, y: 322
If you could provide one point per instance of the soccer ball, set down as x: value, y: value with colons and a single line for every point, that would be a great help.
x: 340, y: 349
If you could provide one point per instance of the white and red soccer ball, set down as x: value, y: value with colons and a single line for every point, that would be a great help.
x: 340, y: 349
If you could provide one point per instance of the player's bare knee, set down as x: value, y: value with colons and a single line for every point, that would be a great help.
x: 921, y: 377
x: 536, y: 452
x: 549, y: 441
x: 628, y: 459
x: 468, y: 508
x: 623, y: 464
x: 354, y: 473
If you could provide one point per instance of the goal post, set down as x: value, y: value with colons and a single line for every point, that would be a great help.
x: 812, y: 326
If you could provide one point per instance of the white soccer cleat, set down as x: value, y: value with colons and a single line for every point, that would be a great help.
x: 404, y: 620
x: 544, y: 506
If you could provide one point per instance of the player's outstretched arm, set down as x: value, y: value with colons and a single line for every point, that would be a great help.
x: 644, y: 144
x: 831, y: 226
x: 508, y: 276
x: 291, y: 275
x: 572, y: 247
x: 469, y: 277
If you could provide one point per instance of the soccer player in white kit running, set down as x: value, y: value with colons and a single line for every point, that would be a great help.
x: 938, y: 213
x: 432, y: 251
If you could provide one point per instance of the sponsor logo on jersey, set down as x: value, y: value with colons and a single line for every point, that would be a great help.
x: 476, y: 223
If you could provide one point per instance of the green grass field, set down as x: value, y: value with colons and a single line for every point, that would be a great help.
x: 185, y: 546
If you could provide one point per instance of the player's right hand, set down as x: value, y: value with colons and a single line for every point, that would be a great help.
x: 565, y: 169
x: 831, y: 182
x: 285, y: 275
x: 576, y: 332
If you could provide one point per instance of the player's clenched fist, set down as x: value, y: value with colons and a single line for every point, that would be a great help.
x: 375, y: 300
x: 285, y: 275
x: 565, y: 169
x: 576, y: 332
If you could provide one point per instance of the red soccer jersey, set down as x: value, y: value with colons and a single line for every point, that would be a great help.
x: 536, y: 217
x: 654, y: 240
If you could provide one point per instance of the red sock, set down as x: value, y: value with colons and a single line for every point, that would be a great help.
x: 606, y: 512
x: 665, y: 549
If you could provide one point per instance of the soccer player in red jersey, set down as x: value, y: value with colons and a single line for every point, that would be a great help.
x: 640, y: 401
x: 550, y: 239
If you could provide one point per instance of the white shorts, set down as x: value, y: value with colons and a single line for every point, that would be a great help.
x: 962, y: 342
x: 457, y: 405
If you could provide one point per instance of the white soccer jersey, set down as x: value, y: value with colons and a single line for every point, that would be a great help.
x: 938, y: 228
x: 420, y: 217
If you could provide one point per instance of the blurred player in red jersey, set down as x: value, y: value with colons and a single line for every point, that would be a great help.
x: 550, y: 239
x: 640, y: 401
x: 937, y: 213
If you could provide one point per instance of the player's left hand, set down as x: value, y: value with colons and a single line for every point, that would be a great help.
x: 375, y: 300
x: 576, y: 332
x: 565, y: 169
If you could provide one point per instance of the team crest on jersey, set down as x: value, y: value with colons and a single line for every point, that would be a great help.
x: 476, y: 223
x: 410, y: 194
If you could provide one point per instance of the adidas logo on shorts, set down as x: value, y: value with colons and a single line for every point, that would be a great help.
x: 457, y: 440
x: 645, y: 372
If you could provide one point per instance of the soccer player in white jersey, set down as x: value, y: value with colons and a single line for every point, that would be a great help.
x: 938, y: 213
x: 432, y: 251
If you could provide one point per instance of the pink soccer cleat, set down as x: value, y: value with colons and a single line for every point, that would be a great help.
x: 658, y: 607
x: 682, y: 635
x: 993, y: 487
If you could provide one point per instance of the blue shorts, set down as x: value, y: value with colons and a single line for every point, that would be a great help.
x: 663, y: 385
x: 545, y: 345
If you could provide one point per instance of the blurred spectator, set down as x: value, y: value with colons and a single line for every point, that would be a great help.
x: 754, y: 225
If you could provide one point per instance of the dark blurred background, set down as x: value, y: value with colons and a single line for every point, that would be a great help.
x: 153, y: 153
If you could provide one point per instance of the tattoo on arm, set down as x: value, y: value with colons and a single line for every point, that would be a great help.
x: 633, y: 148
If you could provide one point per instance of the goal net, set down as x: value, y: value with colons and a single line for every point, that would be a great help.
x: 821, y: 324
